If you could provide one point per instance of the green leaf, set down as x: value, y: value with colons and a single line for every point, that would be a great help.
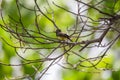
x: 117, y: 6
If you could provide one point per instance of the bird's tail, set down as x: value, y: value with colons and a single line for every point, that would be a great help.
x: 70, y: 39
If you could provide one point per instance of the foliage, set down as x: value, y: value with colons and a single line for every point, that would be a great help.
x: 29, y: 39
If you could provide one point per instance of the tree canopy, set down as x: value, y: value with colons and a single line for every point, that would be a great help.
x: 80, y: 36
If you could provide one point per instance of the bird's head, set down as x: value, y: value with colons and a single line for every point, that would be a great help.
x: 58, y: 30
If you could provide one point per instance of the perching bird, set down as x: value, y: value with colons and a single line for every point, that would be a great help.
x: 61, y: 35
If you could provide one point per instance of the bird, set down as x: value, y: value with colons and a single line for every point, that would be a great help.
x: 62, y: 35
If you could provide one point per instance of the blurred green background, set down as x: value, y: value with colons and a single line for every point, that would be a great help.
x: 64, y: 20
